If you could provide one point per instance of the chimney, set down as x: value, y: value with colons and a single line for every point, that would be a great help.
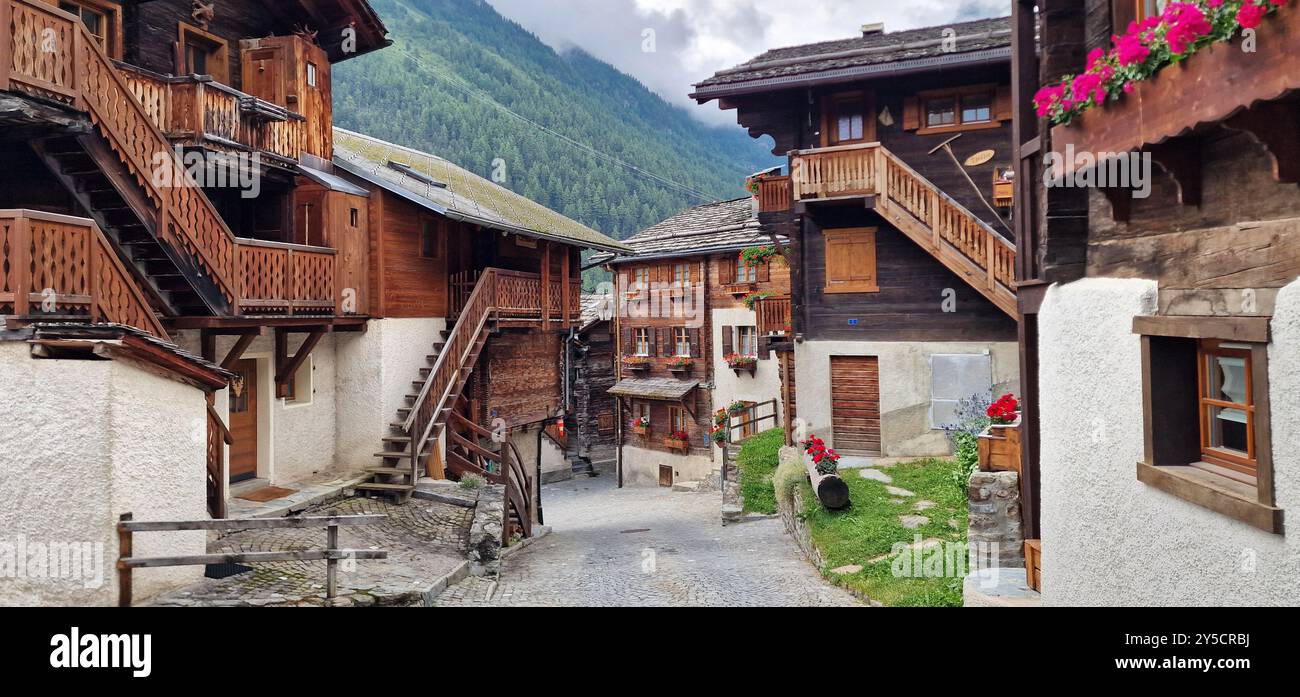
x: 873, y: 29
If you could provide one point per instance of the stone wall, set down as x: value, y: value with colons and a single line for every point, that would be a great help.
x: 995, y: 517
x: 791, y: 505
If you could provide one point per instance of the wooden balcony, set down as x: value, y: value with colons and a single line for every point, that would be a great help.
x: 61, y: 268
x: 518, y: 298
x: 1220, y: 84
x: 964, y: 243
x: 774, y: 194
x: 774, y: 316
x: 288, y: 279
x: 199, y: 112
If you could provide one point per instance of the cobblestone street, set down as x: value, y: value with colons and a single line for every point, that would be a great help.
x: 649, y: 547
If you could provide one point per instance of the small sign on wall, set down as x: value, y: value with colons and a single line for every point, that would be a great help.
x: 853, y: 323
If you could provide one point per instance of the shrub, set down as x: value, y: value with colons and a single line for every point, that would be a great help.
x: 968, y: 460
x: 472, y: 482
x: 789, y: 474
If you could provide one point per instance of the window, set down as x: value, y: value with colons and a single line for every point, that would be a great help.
x: 641, y: 410
x: 429, y: 240
x: 641, y: 340
x: 847, y: 120
x: 977, y: 108
x: 300, y: 388
x: 682, y: 341
x: 311, y: 74
x: 744, y: 272
x: 101, y: 19
x: 954, y: 377
x: 1206, y: 426
x: 678, y: 420
x: 959, y: 110
x: 943, y: 111
x: 747, y: 341
x: 1227, y: 406
x: 682, y: 274
x: 354, y: 217
x: 851, y: 261
x: 201, y: 53
x: 640, y: 279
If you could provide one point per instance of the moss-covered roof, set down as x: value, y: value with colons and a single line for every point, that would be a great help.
x: 447, y: 189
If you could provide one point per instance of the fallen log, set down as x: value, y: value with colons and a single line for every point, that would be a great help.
x: 830, y: 488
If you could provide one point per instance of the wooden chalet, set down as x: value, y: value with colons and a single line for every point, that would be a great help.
x: 174, y: 167
x: 903, y: 291
x: 688, y: 344
x: 591, y: 430
x: 1159, y: 331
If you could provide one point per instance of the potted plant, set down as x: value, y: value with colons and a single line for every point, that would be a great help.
x: 740, y: 363
x: 680, y: 364
x: 826, y: 459
x: 640, y: 425
x: 999, y: 444
x: 718, y: 434
x: 678, y: 440
x: 752, y: 299
x: 636, y: 363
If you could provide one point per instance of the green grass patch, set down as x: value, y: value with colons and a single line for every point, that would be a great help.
x: 871, y: 526
x: 757, y: 460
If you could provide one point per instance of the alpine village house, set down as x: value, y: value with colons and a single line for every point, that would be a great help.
x: 894, y: 207
x: 1161, y: 318
x: 302, y: 302
x: 693, y: 342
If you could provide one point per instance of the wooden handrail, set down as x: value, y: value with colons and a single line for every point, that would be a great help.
x: 78, y: 73
x: 68, y: 261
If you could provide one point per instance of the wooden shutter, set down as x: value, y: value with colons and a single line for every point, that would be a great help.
x: 911, y: 113
x: 1123, y: 13
x: 726, y: 271
x: 697, y: 346
x: 851, y: 261
x: 656, y: 342
x: 765, y: 272
x: 728, y: 341
x: 1002, y: 110
x: 628, y: 341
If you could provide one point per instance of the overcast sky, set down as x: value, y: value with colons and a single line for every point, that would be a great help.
x: 695, y: 38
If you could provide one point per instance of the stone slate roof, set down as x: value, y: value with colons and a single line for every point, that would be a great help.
x: 108, y: 331
x: 596, y: 308
x: 796, y: 63
x: 663, y: 389
x: 712, y: 227
x: 466, y: 196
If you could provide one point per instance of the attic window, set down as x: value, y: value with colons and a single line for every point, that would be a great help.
x: 415, y: 174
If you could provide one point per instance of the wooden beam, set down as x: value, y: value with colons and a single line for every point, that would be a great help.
x: 1248, y: 329
x: 1181, y: 159
x: 237, y: 351
x: 1277, y: 126
x: 287, y: 366
x: 546, y: 284
x: 565, y: 284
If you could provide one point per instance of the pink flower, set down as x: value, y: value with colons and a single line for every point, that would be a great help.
x: 1130, y: 50
x: 1251, y: 15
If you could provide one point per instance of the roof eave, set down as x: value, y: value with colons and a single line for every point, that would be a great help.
x: 991, y: 56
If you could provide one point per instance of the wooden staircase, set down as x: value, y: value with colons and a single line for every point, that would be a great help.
x: 168, y: 229
x: 958, y: 239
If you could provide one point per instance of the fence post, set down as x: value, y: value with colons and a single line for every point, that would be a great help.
x: 6, y: 44
x: 124, y: 545
x: 331, y: 564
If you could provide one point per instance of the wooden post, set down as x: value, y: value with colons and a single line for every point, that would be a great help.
x: 565, y: 286
x: 124, y: 546
x: 546, y: 284
x: 992, y: 259
x: 6, y: 44
x: 21, y: 269
x: 331, y: 564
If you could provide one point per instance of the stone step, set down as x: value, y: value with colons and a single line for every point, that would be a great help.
x: 388, y: 471
x: 385, y: 487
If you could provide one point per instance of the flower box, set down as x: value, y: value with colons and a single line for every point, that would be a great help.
x: 1000, y: 448
x: 642, y: 431
x: 740, y: 288
x: 681, y: 365
x: 636, y: 363
x: 748, y: 364
x: 677, y: 444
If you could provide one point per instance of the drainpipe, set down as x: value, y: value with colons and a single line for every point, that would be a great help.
x: 541, y: 518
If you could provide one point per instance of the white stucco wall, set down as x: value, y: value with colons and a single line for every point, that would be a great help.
x: 763, y: 386
x: 641, y: 466
x: 83, y: 442
x: 554, y: 465
x: 905, y: 392
x: 375, y: 374
x: 1109, y: 539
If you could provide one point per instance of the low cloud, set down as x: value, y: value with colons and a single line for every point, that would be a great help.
x: 695, y: 38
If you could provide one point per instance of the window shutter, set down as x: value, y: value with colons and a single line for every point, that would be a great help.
x: 851, y: 261
x: 1002, y: 104
x: 728, y: 341
x: 697, y: 346
x: 765, y: 272
x: 656, y: 342
x: 1123, y: 13
x: 726, y: 271
x: 911, y: 113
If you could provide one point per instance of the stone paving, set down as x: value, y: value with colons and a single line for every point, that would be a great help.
x: 649, y: 547
x: 425, y: 540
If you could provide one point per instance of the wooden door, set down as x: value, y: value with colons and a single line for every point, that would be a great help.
x: 264, y: 74
x: 855, y: 404
x: 243, y: 424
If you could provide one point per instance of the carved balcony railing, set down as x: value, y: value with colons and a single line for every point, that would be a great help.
x: 774, y: 194
x: 60, y: 267
x: 963, y: 242
x: 287, y: 279
x: 774, y: 315
x: 198, y: 111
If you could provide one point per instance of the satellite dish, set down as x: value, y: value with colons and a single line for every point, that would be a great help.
x: 979, y: 158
